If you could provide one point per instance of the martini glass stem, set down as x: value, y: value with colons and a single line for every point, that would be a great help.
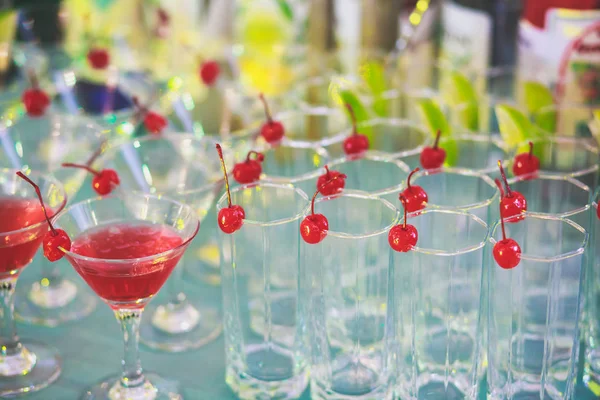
x: 9, y: 341
x: 132, y: 367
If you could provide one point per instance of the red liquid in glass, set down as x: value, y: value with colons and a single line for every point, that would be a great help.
x: 18, y: 249
x: 126, y: 283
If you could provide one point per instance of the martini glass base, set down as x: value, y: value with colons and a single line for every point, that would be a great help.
x: 51, y: 305
x: 155, y: 388
x: 176, y: 328
x: 46, y: 369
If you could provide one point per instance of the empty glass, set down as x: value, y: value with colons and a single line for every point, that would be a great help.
x: 591, y: 375
x: 534, y: 309
x: 347, y: 298
x: 265, y: 345
x: 438, y: 303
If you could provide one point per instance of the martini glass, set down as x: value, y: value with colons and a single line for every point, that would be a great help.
x: 25, y: 366
x: 43, y: 143
x: 125, y: 275
x: 187, y: 169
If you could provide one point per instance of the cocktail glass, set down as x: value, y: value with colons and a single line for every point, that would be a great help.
x: 534, y: 309
x: 49, y: 297
x: 187, y: 169
x: 260, y: 268
x: 567, y: 156
x: 437, y: 307
x: 388, y: 137
x: 25, y: 366
x: 591, y: 375
x: 346, y: 296
x: 125, y: 246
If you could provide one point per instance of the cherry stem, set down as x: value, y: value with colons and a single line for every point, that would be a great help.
x: 437, y: 139
x: 33, y: 80
x: 266, y: 106
x: 224, y: 168
x: 508, y: 191
x: 403, y: 200
x: 410, y: 176
x: 530, y: 150
x: 86, y: 167
x: 327, y: 171
x: 142, y: 110
x: 353, y: 117
x: 312, y: 202
x: 499, y: 184
x: 503, y: 230
x: 258, y: 155
x: 39, y: 195
x: 96, y: 153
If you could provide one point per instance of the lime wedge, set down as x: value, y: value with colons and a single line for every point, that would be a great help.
x: 286, y: 10
x: 594, y: 125
x: 360, y: 111
x: 433, y: 117
x: 459, y: 93
x: 537, y: 97
x: 8, y: 25
x: 515, y: 127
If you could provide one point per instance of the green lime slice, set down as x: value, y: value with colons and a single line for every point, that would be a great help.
x: 537, y: 97
x: 459, y: 93
x: 286, y: 10
x: 360, y: 111
x: 435, y: 120
x: 515, y: 127
x: 8, y: 24
x: 594, y: 125
x: 373, y: 74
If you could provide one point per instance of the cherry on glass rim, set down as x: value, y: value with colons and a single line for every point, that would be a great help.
x: 513, y: 203
x: 433, y: 157
x: 272, y: 131
x: 55, y: 239
x: 356, y: 143
x: 314, y: 227
x: 415, y: 196
x: 249, y: 170
x: 327, y: 185
x: 103, y: 181
x: 209, y: 72
x: 526, y: 163
x: 507, y: 252
x: 403, y: 238
x: 230, y: 218
x: 35, y: 100
x: 153, y: 121
x: 98, y: 58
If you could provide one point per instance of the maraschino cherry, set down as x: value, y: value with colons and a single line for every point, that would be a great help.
x: 54, y: 239
x: 356, y: 143
x: 314, y: 227
x: 415, y: 198
x: 231, y: 218
x: 403, y: 237
x: 433, y: 157
x: 272, y: 131
x: 98, y: 58
x: 507, y: 252
x: 209, y: 72
x: 331, y: 182
x: 513, y: 203
x: 36, y: 101
x: 249, y: 171
x: 526, y: 163
x: 153, y: 121
x: 104, y: 181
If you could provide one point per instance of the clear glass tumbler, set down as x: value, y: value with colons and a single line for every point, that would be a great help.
x: 265, y: 345
x: 591, y: 375
x: 438, y: 304
x: 534, y: 309
x: 347, y: 297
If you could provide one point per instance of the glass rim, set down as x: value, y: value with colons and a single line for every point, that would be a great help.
x: 115, y: 146
x: 465, y: 172
x: 297, y: 145
x: 271, y: 185
x: 48, y: 177
x: 359, y: 194
x: 445, y: 253
x: 314, y: 111
x: 122, y: 194
x: 556, y: 177
x: 548, y: 217
x: 566, y: 105
x: 372, y: 155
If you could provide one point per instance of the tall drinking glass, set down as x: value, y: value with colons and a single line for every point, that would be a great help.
x: 125, y: 246
x: 591, y: 375
x: 534, y: 309
x: 25, y: 366
x: 50, y: 296
x: 438, y: 303
x: 320, y: 126
x: 347, y: 298
x: 265, y: 345
x: 187, y: 169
